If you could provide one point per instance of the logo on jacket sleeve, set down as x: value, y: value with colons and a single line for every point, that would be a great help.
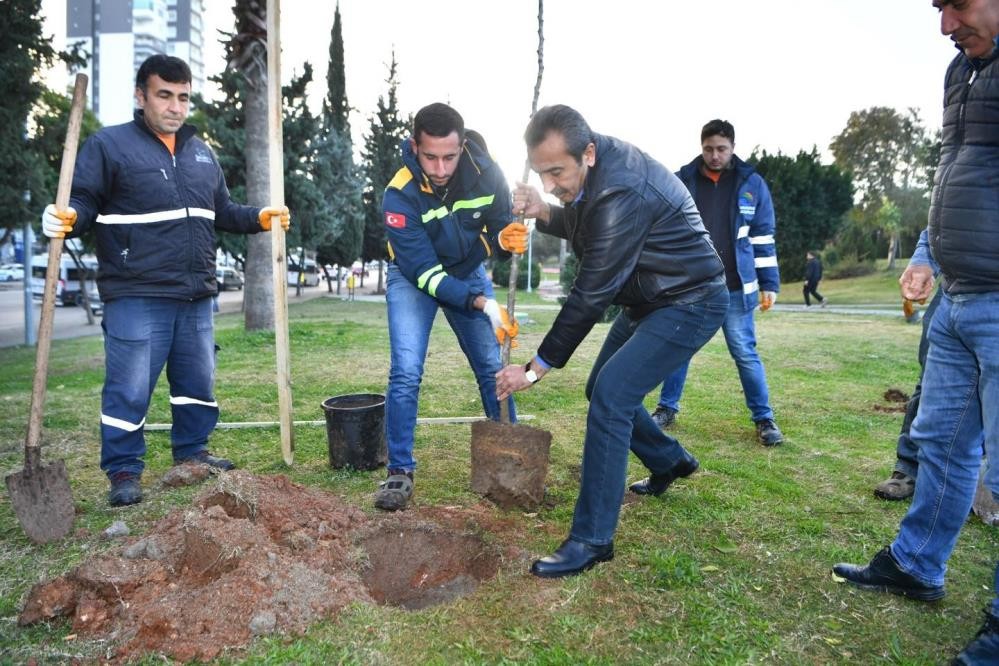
x: 395, y: 220
x: 202, y: 156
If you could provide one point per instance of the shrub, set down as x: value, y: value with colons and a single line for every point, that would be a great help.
x: 501, y: 274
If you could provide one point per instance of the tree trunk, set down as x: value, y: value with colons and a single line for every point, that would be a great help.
x: 258, y: 293
x: 892, y: 251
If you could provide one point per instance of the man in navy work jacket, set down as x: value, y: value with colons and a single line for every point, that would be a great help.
x: 735, y: 205
x: 446, y: 210
x: 960, y: 386
x: 153, y: 193
x: 640, y: 244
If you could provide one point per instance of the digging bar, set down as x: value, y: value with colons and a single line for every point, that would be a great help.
x: 40, y: 494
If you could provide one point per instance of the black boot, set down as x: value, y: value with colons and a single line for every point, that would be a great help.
x: 884, y: 575
x: 657, y: 484
x: 571, y: 558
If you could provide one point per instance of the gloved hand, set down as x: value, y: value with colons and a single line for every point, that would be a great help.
x: 509, y: 328
x: 57, y: 223
x: 767, y: 300
x: 513, y: 238
x: 267, y: 213
x: 500, y: 321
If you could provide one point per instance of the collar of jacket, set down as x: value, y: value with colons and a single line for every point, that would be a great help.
x: 185, y: 132
x: 743, y: 170
x: 473, y: 161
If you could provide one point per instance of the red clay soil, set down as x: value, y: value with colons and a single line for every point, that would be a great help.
x: 260, y: 555
x: 255, y: 555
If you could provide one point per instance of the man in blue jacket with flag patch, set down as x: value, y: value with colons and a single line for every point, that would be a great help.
x: 735, y: 205
x: 446, y: 211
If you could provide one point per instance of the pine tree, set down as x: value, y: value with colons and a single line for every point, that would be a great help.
x: 334, y: 171
x: 381, y: 161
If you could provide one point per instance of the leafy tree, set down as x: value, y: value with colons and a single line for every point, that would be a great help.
x: 501, y: 273
x: 810, y: 201
x: 381, y: 161
x: 334, y: 171
x: 24, y: 53
x: 889, y: 154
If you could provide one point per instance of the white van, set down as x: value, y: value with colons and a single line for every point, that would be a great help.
x: 309, y: 276
x: 68, y: 287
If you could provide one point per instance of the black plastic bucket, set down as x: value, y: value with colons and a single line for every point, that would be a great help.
x: 355, y: 428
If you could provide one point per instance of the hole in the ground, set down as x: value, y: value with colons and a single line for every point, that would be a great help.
x: 417, y: 567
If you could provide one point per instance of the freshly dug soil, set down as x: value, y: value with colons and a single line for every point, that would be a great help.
x: 259, y: 555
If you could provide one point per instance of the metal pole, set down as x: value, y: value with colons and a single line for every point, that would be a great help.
x: 30, y: 335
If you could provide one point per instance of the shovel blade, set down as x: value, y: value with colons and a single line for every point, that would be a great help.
x: 42, y: 500
x: 510, y: 463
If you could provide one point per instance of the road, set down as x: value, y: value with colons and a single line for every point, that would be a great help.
x: 71, y: 322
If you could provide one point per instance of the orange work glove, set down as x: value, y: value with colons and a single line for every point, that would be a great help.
x: 507, y: 328
x: 767, y: 300
x: 513, y: 238
x: 908, y: 307
x: 58, y: 223
x: 270, y: 211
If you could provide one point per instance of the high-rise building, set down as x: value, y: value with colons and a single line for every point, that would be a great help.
x: 117, y: 35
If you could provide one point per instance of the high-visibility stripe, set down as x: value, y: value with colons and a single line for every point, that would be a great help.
x: 750, y: 287
x: 474, y: 203
x: 743, y: 231
x: 434, y: 281
x: 181, y: 400
x: 421, y: 281
x: 765, y: 262
x: 161, y: 216
x: 120, y: 424
x: 762, y: 240
x: 435, y: 214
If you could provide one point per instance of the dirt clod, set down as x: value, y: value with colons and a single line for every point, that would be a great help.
x: 187, y: 474
x: 894, y: 395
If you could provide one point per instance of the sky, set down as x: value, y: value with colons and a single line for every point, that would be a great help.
x: 786, y: 73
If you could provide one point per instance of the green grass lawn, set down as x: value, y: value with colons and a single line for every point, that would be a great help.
x: 730, y: 566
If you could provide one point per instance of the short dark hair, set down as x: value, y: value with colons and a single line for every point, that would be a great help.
x: 566, y: 121
x: 439, y: 120
x: 716, y: 127
x: 169, y: 68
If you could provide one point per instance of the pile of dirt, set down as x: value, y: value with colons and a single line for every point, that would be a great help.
x: 897, y: 401
x: 255, y: 556
x: 260, y: 555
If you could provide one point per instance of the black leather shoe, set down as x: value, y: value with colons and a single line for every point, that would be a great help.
x: 884, y: 575
x: 984, y: 647
x: 571, y: 558
x: 205, y: 458
x: 657, y: 484
x: 125, y: 489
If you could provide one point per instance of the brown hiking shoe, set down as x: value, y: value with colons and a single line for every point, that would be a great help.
x: 985, y: 505
x: 897, y: 487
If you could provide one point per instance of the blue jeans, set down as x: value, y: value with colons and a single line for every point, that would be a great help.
x: 141, y: 335
x: 411, y: 315
x: 960, y: 377
x: 740, y: 336
x: 634, y: 358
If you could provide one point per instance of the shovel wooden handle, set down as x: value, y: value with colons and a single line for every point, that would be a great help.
x: 275, y: 150
x: 32, y: 442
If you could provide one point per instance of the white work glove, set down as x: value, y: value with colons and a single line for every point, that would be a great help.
x: 492, y: 310
x: 767, y: 300
x: 56, y: 223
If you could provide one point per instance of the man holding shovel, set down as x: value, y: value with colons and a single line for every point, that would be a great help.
x: 641, y: 244
x: 154, y: 194
x: 446, y: 210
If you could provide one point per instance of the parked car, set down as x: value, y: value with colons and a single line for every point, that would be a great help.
x: 11, y: 272
x: 228, y: 278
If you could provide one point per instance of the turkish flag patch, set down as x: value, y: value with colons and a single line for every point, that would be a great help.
x: 395, y: 220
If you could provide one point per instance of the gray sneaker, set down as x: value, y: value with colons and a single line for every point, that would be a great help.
x: 664, y: 417
x: 897, y: 487
x: 985, y: 505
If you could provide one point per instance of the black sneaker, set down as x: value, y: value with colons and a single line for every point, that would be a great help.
x: 884, y: 575
x: 984, y: 647
x: 768, y: 432
x: 664, y: 417
x: 205, y: 458
x: 125, y: 489
x: 394, y: 492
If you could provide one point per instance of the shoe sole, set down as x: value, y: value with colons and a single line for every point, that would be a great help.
x: 567, y: 574
x: 891, y: 498
x: 919, y: 595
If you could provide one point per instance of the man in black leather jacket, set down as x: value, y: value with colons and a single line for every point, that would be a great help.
x: 640, y: 244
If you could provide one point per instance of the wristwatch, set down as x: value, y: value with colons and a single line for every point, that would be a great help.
x: 530, y: 374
